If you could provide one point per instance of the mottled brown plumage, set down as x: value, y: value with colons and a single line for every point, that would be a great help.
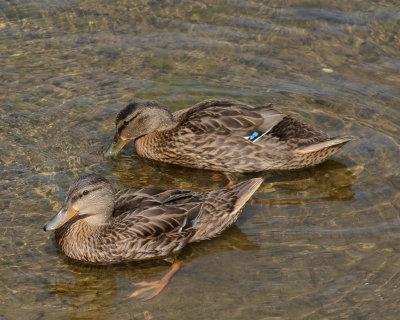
x: 100, y: 226
x: 217, y: 135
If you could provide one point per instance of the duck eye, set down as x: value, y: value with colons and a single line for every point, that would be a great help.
x: 85, y: 192
x: 126, y: 122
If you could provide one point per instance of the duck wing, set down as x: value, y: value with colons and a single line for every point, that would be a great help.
x: 149, y: 212
x: 174, y: 218
x: 225, y: 117
x: 134, y: 198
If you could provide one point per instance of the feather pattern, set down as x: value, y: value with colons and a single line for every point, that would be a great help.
x: 215, y: 135
x: 146, y: 223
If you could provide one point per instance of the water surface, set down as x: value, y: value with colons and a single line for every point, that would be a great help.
x: 318, y: 243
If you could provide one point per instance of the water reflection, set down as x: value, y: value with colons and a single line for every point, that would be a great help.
x: 91, y: 292
x: 328, y: 235
x: 329, y: 181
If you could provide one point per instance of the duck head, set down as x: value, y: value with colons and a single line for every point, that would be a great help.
x: 136, y: 120
x: 90, y: 197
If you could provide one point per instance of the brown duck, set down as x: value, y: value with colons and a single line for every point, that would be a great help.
x: 100, y: 226
x: 222, y: 135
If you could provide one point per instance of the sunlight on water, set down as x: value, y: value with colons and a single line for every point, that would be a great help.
x: 311, y: 244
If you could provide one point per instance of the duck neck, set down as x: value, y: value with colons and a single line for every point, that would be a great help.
x: 165, y: 120
x: 156, y: 145
x: 78, y: 239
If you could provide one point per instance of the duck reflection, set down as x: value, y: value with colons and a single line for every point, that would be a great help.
x: 329, y: 181
x: 95, y: 287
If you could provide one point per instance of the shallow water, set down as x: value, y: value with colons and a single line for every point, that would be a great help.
x: 311, y: 244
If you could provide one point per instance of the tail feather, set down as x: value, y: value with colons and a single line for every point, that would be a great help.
x: 223, y: 209
x: 326, y: 144
x: 244, y: 191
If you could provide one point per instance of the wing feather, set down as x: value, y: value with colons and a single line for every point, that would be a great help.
x: 224, y: 117
x: 154, y: 212
x: 131, y: 199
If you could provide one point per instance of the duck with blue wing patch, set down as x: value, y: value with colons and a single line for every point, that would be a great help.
x: 222, y: 135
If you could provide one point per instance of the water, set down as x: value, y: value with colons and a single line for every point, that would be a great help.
x: 318, y: 243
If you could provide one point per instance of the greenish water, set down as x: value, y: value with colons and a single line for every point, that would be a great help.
x: 319, y: 243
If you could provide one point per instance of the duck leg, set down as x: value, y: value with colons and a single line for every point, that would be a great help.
x: 232, y: 179
x: 147, y: 290
x: 230, y: 184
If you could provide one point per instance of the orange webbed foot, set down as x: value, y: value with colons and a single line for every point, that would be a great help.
x: 147, y: 290
x: 230, y: 184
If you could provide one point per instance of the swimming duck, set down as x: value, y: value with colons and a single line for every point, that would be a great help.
x: 222, y: 135
x: 98, y: 225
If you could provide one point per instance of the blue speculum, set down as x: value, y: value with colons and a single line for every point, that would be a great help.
x: 254, y: 135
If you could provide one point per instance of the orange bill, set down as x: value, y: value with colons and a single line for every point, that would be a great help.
x: 60, y: 218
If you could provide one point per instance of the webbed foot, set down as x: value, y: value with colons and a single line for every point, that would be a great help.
x: 147, y: 290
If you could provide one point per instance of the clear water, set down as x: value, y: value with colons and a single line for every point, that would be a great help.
x: 319, y: 243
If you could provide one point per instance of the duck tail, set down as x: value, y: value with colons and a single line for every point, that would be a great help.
x: 223, y: 209
x: 336, y: 143
x: 243, y: 191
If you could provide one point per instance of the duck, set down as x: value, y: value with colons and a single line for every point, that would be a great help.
x: 100, y: 226
x: 222, y: 135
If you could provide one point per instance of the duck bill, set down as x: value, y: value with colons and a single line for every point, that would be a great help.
x: 60, y: 218
x: 116, y: 146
